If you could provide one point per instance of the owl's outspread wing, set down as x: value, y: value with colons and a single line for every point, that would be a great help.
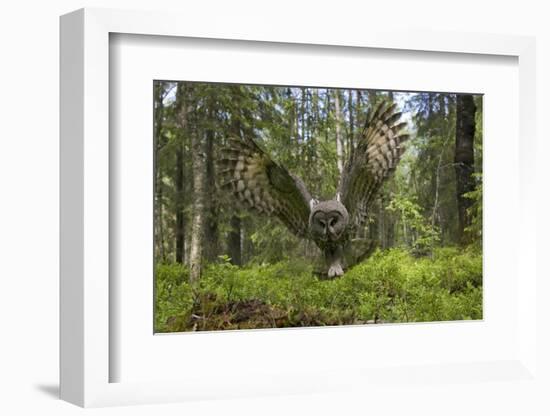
x: 378, y: 151
x: 262, y: 185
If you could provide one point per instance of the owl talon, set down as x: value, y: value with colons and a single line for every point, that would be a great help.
x: 335, y: 271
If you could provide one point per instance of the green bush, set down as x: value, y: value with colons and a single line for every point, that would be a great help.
x: 173, y: 295
x: 391, y: 286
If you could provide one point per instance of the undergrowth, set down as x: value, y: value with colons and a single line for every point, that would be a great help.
x: 391, y: 286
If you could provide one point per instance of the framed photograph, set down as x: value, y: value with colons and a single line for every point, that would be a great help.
x: 282, y: 213
x: 265, y: 196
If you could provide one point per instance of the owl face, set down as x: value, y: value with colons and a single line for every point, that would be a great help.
x: 328, y: 221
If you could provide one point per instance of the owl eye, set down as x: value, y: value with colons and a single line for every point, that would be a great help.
x: 322, y: 222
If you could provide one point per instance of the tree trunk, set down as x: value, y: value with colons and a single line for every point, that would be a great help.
x: 182, y: 107
x: 359, y: 115
x: 211, y: 229
x: 372, y: 98
x: 314, y: 147
x: 291, y: 118
x: 381, y: 223
x: 180, y: 198
x: 234, y: 241
x: 390, y: 231
x: 327, y: 113
x: 464, y: 159
x: 198, y: 209
x: 435, y: 208
x: 302, y: 116
x: 339, y: 144
x: 351, y: 135
x: 234, y: 238
x: 159, y: 144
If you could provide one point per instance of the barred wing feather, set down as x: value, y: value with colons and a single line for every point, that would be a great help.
x: 376, y: 156
x: 263, y: 186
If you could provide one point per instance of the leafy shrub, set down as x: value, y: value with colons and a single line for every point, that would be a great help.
x: 391, y: 286
x: 173, y: 295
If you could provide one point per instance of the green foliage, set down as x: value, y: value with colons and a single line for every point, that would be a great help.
x: 392, y: 286
x: 475, y: 213
x: 173, y: 294
x: 424, y: 235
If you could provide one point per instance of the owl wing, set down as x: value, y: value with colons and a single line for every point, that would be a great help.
x: 263, y: 186
x: 376, y: 156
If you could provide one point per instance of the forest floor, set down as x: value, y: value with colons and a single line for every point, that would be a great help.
x: 390, y: 287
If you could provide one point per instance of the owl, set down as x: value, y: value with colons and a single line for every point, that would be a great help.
x: 260, y: 184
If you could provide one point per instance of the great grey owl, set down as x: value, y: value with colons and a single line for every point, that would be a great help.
x: 262, y: 185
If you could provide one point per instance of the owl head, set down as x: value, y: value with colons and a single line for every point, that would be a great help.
x: 328, y: 221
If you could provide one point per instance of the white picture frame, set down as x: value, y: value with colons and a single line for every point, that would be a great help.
x: 86, y: 356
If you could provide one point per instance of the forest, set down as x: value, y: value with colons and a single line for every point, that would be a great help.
x: 220, y: 266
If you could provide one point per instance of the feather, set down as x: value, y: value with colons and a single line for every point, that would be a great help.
x: 262, y: 185
x: 378, y: 151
